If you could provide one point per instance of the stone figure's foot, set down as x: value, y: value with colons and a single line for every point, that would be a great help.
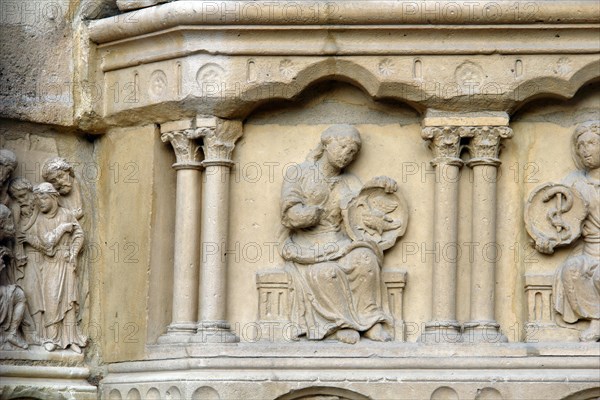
x: 49, y: 346
x: 349, y: 336
x: 76, y: 348
x: 378, y: 333
x: 591, y: 334
x: 13, y: 338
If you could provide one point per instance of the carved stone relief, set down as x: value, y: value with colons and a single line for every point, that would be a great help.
x: 335, y: 233
x: 557, y: 215
x: 40, y: 245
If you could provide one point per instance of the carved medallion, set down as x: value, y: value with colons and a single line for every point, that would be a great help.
x: 377, y: 216
x: 158, y: 84
x: 554, y: 213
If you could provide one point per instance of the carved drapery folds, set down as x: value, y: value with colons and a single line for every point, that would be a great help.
x: 557, y: 215
x: 40, y: 264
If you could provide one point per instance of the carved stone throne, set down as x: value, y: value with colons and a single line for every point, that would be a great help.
x: 274, y: 287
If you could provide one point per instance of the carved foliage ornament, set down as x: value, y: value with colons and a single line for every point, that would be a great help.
x: 444, y: 143
x: 187, y: 149
x: 485, y: 143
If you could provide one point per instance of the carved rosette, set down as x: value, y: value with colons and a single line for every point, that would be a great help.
x: 186, y: 147
x: 485, y: 143
x: 444, y: 142
x: 219, y: 141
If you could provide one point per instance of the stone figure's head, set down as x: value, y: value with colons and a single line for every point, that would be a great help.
x: 7, y: 224
x: 8, y: 163
x: 340, y: 144
x: 586, y: 145
x: 47, y: 197
x: 21, y: 191
x: 60, y: 174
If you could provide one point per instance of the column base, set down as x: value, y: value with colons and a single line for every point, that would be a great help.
x: 483, y: 332
x: 214, y: 332
x: 179, y: 332
x: 441, y: 332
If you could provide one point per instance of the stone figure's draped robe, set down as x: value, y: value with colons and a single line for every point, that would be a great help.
x: 330, y: 291
x: 59, y: 278
x: 577, y: 280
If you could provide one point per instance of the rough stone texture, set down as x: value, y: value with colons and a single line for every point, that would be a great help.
x: 255, y: 93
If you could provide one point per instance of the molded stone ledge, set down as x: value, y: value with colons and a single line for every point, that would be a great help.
x: 354, y: 12
x: 37, y: 353
x: 426, y: 354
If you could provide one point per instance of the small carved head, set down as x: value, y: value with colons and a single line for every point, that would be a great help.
x: 586, y: 145
x: 340, y: 144
x: 8, y: 163
x: 59, y: 173
x: 47, y: 196
x: 7, y: 225
x: 21, y: 191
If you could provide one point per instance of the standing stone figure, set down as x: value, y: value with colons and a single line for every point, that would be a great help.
x: 335, y: 278
x: 29, y: 276
x: 57, y: 235
x: 8, y: 163
x: 577, y: 281
x: 60, y: 174
x: 12, y: 298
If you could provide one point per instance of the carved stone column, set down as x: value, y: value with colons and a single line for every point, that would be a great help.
x: 445, y: 145
x: 219, y: 140
x: 182, y: 136
x: 484, y: 149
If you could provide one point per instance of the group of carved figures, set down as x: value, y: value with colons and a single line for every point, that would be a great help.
x: 40, y: 242
x: 335, y: 233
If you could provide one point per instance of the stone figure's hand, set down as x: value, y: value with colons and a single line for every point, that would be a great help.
x: 313, y: 214
x: 545, y: 246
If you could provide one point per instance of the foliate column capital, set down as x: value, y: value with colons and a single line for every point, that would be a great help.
x: 186, y: 147
x: 484, y: 145
x: 219, y: 136
x: 444, y: 142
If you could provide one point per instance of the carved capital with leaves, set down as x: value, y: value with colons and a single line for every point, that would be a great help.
x: 219, y: 136
x: 484, y: 146
x: 444, y: 142
x: 186, y: 147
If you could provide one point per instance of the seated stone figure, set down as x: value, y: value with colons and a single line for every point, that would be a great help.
x: 336, y: 279
x: 577, y: 280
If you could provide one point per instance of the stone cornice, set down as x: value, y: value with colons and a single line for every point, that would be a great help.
x: 339, y: 12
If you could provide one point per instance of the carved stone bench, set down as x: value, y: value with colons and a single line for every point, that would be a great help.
x: 542, y: 319
x: 273, y: 287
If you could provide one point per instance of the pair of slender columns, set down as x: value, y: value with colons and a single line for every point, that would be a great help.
x: 446, y: 144
x: 199, y: 270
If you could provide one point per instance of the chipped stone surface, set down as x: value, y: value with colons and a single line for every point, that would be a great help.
x: 183, y: 121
